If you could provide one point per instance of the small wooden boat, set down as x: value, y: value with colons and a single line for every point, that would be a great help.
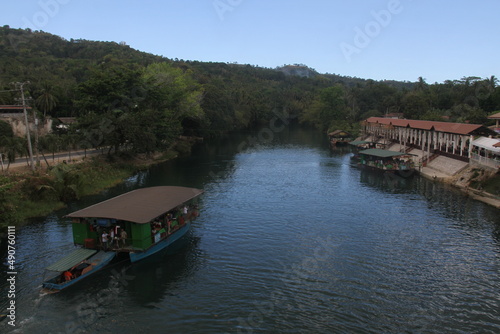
x: 74, y: 267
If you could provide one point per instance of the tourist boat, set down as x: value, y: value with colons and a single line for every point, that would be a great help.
x: 359, y: 145
x: 139, y: 223
x: 387, y: 161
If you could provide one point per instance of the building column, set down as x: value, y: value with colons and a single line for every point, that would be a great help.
x: 422, y: 143
x: 462, y: 145
x: 470, y: 146
x: 455, y: 143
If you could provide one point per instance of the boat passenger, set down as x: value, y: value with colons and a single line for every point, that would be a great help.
x: 104, y: 239
x: 123, y: 236
x: 112, y: 237
x: 68, y: 276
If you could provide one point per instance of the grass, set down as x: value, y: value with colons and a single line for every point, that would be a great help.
x: 22, y: 198
x: 100, y: 175
x: 32, y: 209
x: 492, y: 185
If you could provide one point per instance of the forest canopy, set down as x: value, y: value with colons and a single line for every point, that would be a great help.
x: 126, y: 98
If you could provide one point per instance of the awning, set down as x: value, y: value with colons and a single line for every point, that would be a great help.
x: 72, y: 259
x: 487, y: 144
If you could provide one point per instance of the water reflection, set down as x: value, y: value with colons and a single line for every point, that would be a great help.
x: 386, y: 182
x: 150, y: 280
x: 464, y: 213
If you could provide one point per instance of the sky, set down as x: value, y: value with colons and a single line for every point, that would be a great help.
x: 371, y: 39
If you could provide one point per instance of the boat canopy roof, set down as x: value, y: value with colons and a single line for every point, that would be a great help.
x: 72, y: 259
x: 141, y: 205
x: 377, y: 152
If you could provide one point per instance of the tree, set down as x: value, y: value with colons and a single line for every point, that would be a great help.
x: 471, y: 114
x: 329, y: 106
x: 6, y: 129
x: 414, y: 104
x: 421, y: 84
x: 148, y: 109
x: 50, y: 143
x: 46, y: 101
x: 172, y: 97
x: 172, y: 90
x: 434, y: 115
x: 66, y: 183
x: 113, y: 85
x: 12, y: 146
x: 7, y: 208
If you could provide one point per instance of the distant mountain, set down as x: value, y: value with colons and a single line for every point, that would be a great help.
x: 298, y: 70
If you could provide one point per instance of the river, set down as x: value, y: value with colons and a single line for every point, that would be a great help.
x: 292, y: 238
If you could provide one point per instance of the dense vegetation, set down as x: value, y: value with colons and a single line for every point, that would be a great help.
x: 32, y: 195
x: 107, y: 82
x: 131, y: 101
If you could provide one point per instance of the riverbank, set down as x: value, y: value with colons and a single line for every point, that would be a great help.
x: 25, y: 194
x: 477, y: 182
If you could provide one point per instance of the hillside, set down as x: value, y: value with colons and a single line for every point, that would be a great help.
x: 235, y: 96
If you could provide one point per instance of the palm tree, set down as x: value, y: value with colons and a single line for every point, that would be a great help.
x: 493, y: 81
x: 46, y: 102
x: 421, y: 84
x: 67, y: 183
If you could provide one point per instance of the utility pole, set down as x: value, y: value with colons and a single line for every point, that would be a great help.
x: 35, y: 121
x: 28, y: 137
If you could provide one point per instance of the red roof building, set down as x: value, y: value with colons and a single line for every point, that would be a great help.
x: 456, y: 128
x: 495, y: 117
x: 453, y: 139
x: 11, y: 107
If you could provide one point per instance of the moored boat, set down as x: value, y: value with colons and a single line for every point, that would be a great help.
x: 339, y: 138
x: 387, y: 161
x: 141, y: 223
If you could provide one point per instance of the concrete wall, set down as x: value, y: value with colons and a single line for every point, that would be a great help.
x: 16, y: 121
